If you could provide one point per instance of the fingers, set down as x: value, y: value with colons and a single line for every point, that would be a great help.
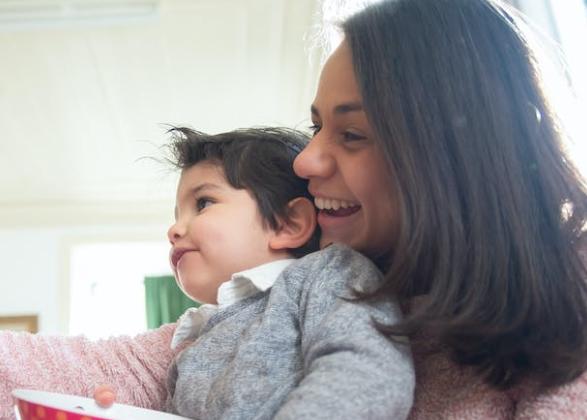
x: 104, y: 396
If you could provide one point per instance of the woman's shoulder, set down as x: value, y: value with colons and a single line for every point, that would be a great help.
x: 567, y: 401
x: 446, y: 390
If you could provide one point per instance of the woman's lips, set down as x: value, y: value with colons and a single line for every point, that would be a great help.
x: 342, y: 212
x: 336, y: 219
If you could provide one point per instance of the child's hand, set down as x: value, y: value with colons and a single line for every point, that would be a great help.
x: 104, y: 396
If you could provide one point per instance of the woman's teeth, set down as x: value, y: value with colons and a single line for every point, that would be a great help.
x: 332, y: 203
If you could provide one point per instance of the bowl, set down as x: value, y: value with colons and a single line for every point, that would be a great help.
x: 33, y: 405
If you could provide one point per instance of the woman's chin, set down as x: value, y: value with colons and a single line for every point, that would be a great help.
x: 329, y: 240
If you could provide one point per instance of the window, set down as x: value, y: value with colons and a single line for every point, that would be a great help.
x: 570, y: 17
x: 561, y: 29
x: 107, y: 295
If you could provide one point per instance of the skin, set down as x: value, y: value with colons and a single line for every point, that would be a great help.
x: 343, y: 162
x: 104, y: 396
x: 219, y: 231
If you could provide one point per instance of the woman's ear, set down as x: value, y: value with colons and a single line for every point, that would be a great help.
x: 297, y: 228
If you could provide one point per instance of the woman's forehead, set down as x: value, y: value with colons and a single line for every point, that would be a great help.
x: 337, y: 80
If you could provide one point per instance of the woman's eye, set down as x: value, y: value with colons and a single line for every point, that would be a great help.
x: 352, y: 136
x: 314, y: 129
x: 202, y: 203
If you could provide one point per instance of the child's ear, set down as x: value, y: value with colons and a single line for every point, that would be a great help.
x: 299, y: 226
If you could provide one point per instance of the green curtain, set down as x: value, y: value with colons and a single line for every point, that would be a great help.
x: 164, y: 300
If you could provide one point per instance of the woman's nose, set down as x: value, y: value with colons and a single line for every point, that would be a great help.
x: 315, y: 161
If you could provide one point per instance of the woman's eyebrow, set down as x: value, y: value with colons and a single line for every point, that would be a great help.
x: 343, y: 108
x: 348, y: 107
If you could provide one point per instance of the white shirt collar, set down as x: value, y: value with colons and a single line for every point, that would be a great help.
x: 241, y: 285
x: 246, y: 283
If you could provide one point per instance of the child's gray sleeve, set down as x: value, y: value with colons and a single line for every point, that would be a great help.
x: 350, y: 369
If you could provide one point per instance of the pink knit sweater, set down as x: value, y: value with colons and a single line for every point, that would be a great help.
x: 137, y: 368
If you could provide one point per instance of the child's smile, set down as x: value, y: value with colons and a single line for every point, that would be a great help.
x: 218, y: 232
x: 177, y: 254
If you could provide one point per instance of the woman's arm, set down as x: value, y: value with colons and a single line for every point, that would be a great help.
x: 136, y: 367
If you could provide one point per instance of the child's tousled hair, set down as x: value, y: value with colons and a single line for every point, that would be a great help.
x: 492, y: 212
x: 259, y: 160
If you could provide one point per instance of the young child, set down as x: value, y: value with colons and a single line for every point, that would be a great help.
x: 276, y: 337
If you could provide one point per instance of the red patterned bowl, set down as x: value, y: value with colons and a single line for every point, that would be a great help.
x: 39, y: 405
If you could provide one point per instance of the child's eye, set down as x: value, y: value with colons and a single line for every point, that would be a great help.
x: 203, y: 202
x: 314, y: 129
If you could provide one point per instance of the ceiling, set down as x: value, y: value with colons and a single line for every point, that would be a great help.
x: 85, y: 102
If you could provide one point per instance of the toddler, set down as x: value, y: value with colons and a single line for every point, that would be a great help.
x: 280, y: 333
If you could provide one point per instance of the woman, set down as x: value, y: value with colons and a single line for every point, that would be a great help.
x: 435, y: 154
x: 430, y: 120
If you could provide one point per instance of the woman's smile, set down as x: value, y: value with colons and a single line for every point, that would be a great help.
x: 334, y: 205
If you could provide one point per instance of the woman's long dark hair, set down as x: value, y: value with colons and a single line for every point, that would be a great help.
x: 492, y: 212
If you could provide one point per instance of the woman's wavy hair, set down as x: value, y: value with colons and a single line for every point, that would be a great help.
x: 492, y: 211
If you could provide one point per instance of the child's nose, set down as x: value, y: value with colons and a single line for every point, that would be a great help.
x: 174, y: 233
x: 315, y: 161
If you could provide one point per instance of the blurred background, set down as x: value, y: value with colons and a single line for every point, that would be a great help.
x: 87, y: 90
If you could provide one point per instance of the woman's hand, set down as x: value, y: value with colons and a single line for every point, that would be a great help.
x: 104, y: 396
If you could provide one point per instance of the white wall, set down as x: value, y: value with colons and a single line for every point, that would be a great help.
x: 30, y: 271
x: 35, y: 266
x: 82, y: 102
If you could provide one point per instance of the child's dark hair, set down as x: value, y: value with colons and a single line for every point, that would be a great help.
x: 259, y: 160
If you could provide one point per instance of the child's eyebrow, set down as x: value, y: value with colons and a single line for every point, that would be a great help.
x: 205, y: 187
x: 198, y: 189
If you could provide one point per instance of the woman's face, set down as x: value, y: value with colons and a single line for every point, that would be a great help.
x: 345, y: 167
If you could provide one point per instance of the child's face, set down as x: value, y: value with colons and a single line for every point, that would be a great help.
x: 218, y: 232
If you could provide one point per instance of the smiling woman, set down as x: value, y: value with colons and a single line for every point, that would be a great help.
x: 345, y: 166
x: 432, y: 127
